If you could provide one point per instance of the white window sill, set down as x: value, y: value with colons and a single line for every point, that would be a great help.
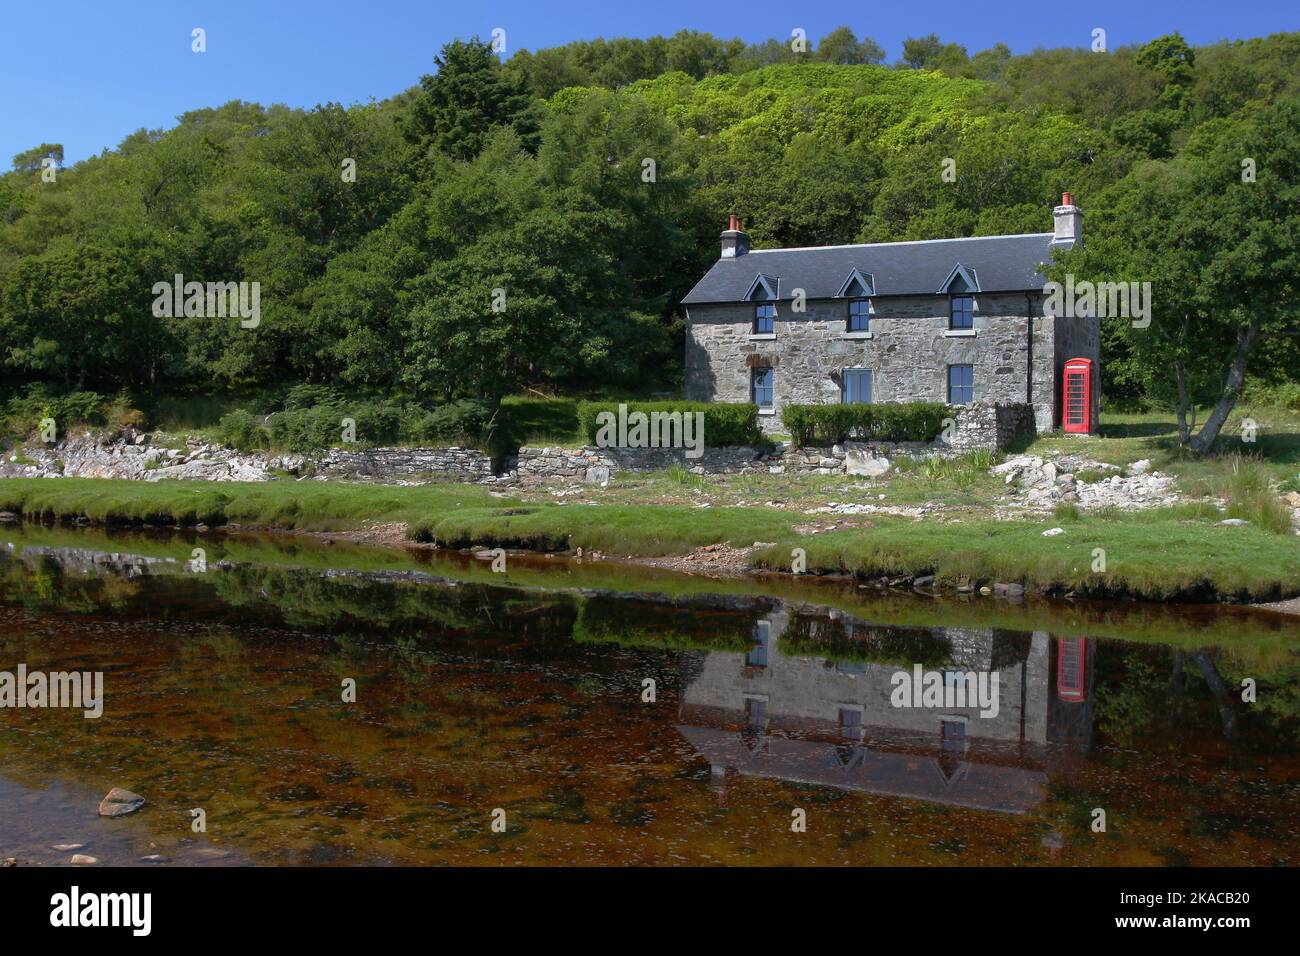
x: 767, y: 411
x: 960, y: 333
x: 762, y: 337
x: 859, y: 335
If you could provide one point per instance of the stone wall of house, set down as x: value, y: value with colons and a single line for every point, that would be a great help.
x: 908, y: 350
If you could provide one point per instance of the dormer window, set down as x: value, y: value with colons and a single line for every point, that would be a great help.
x: 961, y: 312
x: 763, y: 292
x: 859, y: 315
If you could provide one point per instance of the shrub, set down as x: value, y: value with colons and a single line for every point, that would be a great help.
x: 242, y: 431
x: 724, y: 423
x: 464, y: 422
x: 833, y: 424
x: 305, y: 430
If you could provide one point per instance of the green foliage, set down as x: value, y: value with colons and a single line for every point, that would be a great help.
x: 458, y: 107
x: 528, y: 177
x: 724, y: 423
x: 242, y: 430
x: 833, y: 424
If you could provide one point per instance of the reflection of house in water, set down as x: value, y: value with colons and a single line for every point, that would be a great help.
x: 796, y: 716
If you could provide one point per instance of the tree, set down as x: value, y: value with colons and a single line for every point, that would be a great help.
x: 1221, y: 249
x: 928, y: 53
x: 470, y: 95
x: 841, y: 46
x: 32, y: 160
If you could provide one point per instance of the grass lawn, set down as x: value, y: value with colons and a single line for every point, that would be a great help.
x: 1154, y: 436
x: 1158, y: 554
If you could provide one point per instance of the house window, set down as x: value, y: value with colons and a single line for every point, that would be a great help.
x: 961, y: 384
x: 755, y: 713
x: 850, y: 724
x: 961, y: 309
x: 860, y: 315
x: 857, y: 386
x: 763, y: 379
x: 764, y: 318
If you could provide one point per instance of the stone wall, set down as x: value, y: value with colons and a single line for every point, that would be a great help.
x: 993, y: 425
x: 982, y: 425
x: 409, y: 464
x: 134, y: 457
x: 908, y: 350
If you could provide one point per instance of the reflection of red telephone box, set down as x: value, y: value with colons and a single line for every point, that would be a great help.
x: 1072, y: 668
x: 1077, y: 403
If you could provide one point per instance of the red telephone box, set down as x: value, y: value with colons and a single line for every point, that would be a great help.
x: 1077, y: 397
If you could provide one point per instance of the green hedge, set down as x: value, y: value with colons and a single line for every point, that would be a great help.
x: 724, y: 424
x: 832, y: 424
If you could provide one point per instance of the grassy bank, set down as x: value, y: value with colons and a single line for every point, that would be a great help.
x: 1176, y: 553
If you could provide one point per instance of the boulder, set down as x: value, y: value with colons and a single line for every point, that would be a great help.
x: 864, y: 463
x: 119, y: 802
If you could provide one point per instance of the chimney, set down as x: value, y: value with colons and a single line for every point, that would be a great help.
x: 1068, y: 231
x: 735, y: 241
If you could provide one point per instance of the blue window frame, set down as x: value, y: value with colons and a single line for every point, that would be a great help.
x: 961, y: 384
x: 859, y: 315
x: 961, y: 312
x: 857, y: 386
x: 763, y: 379
x: 764, y: 318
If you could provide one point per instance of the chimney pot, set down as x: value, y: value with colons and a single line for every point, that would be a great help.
x: 735, y: 241
x: 1067, y: 229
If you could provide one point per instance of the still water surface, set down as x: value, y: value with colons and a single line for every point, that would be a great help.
x: 525, y: 692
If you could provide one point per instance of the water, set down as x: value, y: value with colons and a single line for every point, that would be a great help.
x: 524, y: 693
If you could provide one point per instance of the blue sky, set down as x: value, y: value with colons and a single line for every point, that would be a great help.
x: 87, y: 74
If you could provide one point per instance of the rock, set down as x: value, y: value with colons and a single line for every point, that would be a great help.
x: 1053, y: 532
x: 68, y: 847
x: 1234, y: 522
x: 986, y: 591
x: 8, y: 516
x: 1009, y: 589
x: 858, y: 462
x: 80, y: 859
x: 154, y: 858
x: 119, y: 802
x: 597, y: 475
x: 1140, y: 467
x: 924, y: 581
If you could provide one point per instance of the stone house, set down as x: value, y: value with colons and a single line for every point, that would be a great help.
x: 944, y: 320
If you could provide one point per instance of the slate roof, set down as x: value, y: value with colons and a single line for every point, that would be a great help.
x: 999, y: 263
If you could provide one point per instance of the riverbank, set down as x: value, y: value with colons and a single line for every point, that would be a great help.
x: 1177, y: 553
